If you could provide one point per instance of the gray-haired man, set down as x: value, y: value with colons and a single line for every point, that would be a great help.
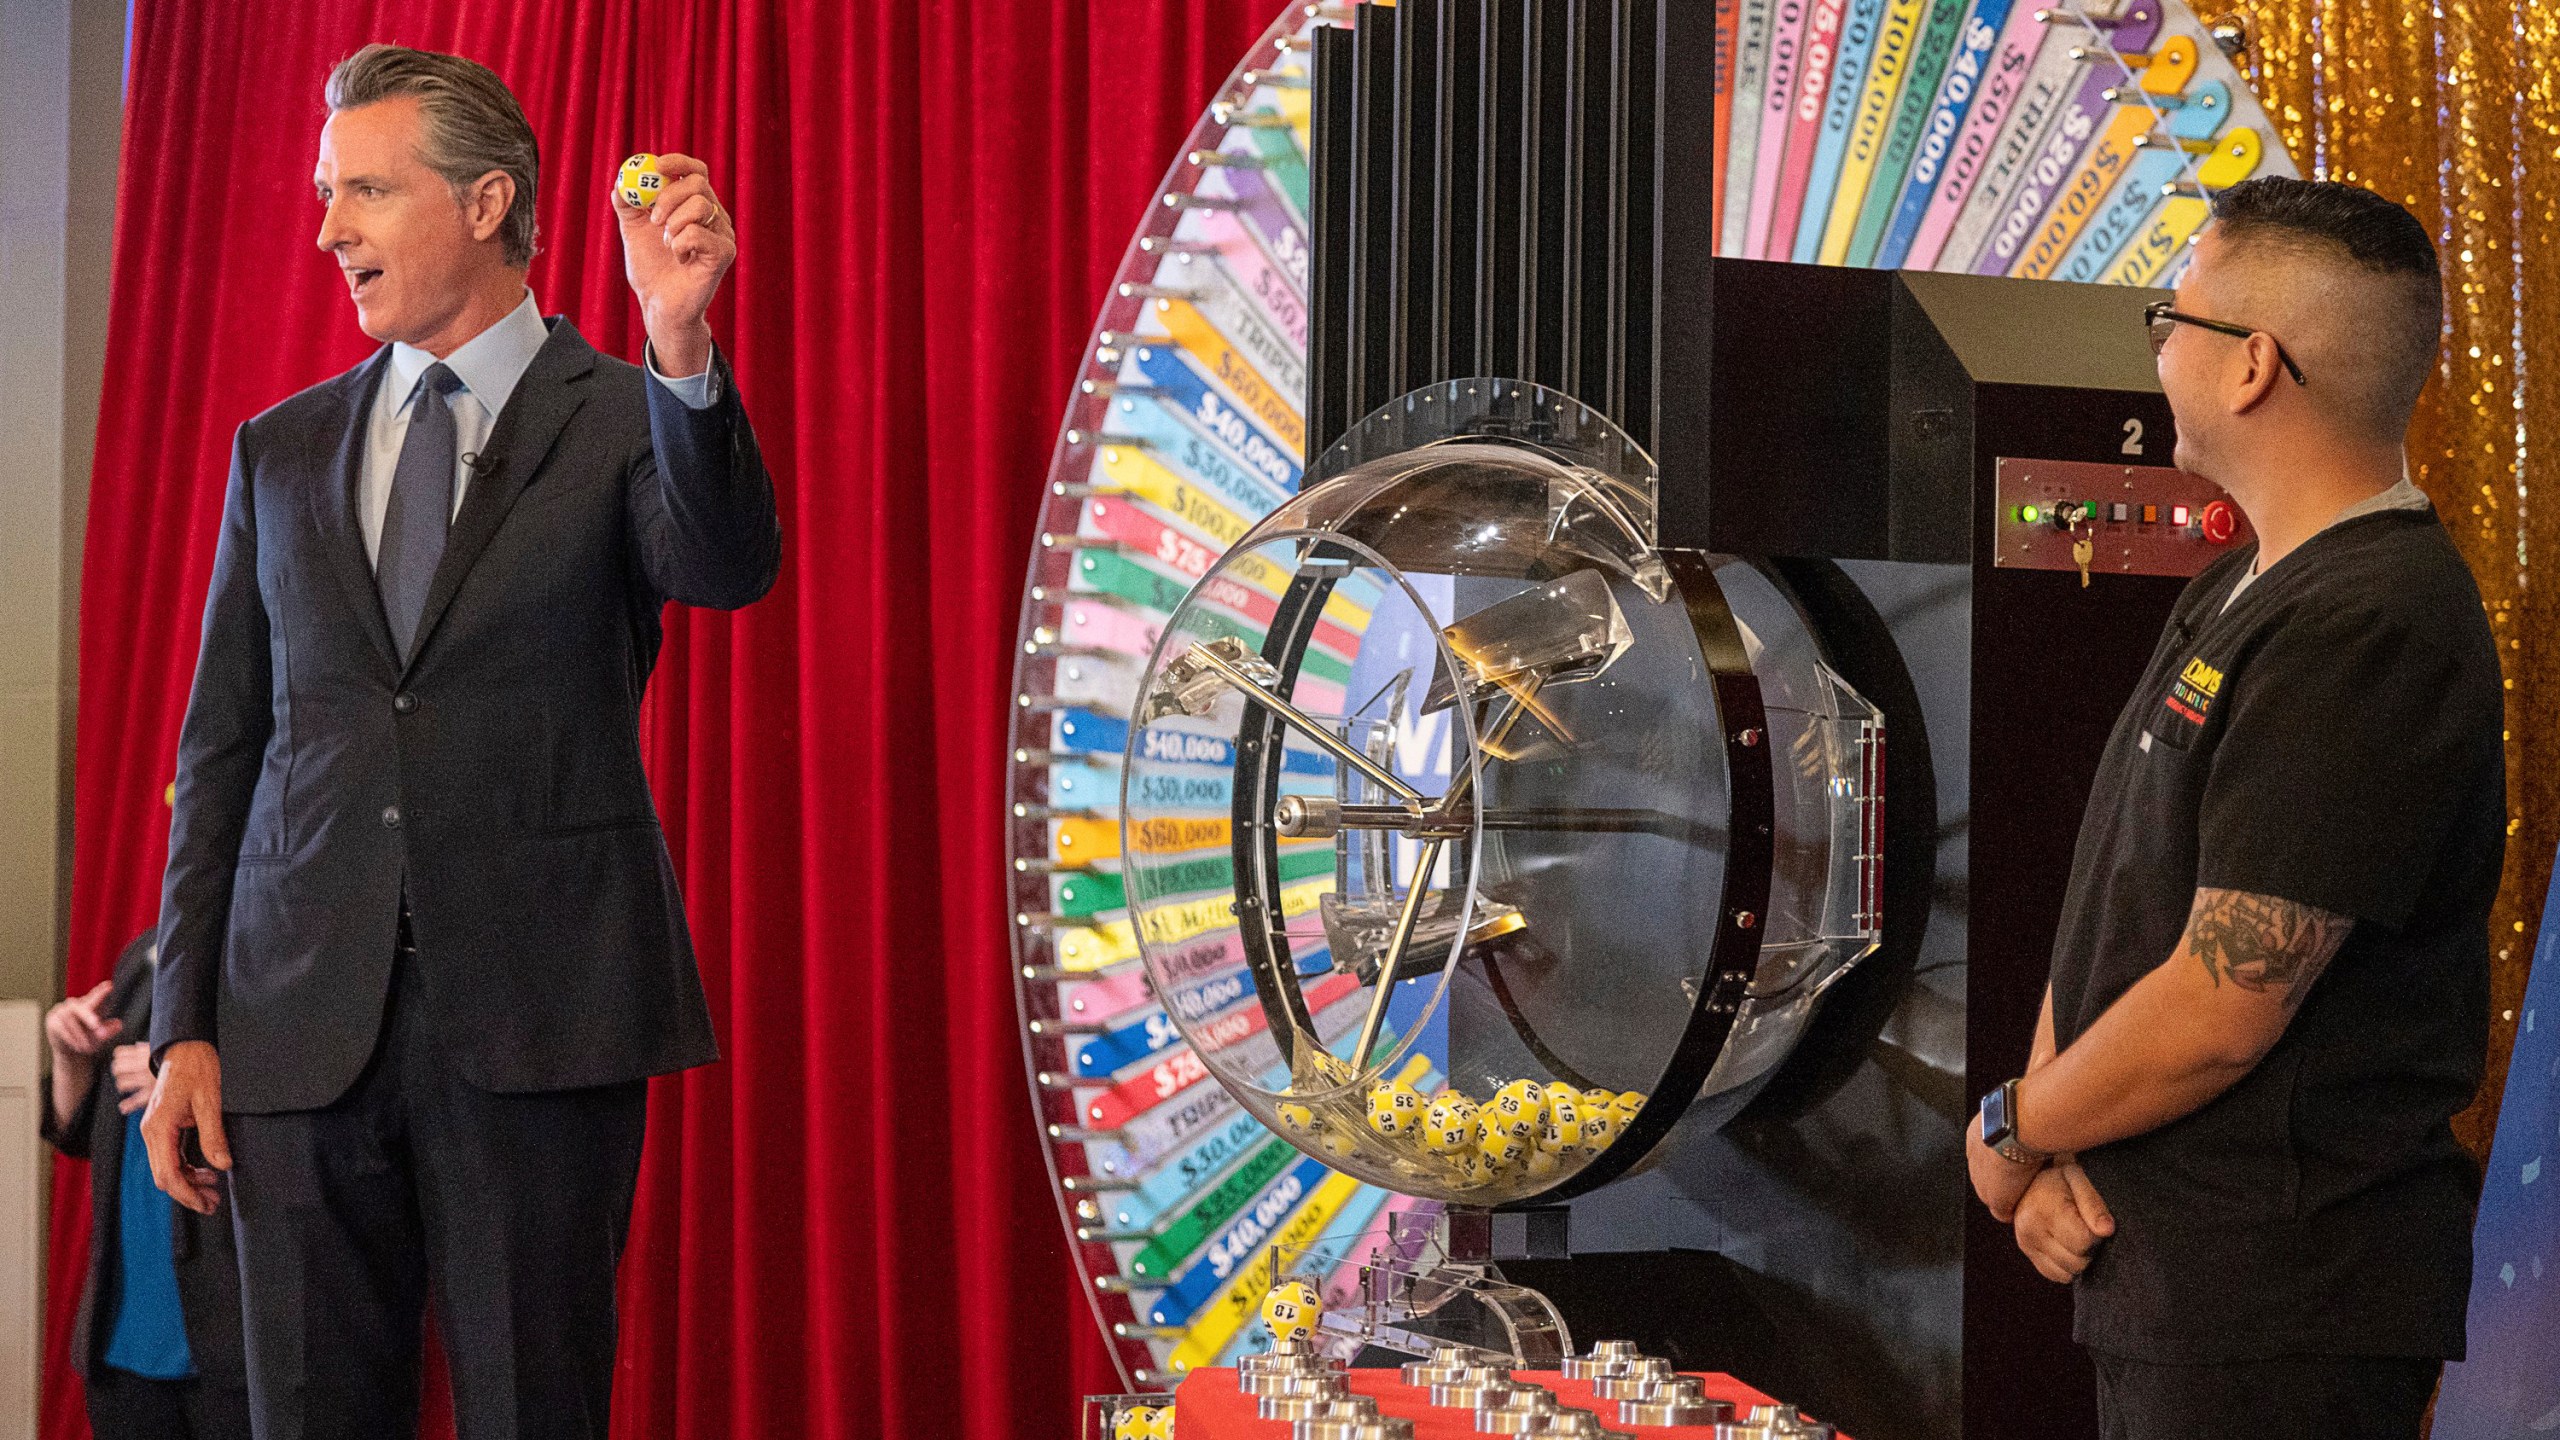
x: 421, y: 945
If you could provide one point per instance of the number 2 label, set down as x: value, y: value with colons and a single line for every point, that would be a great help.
x: 2133, y: 437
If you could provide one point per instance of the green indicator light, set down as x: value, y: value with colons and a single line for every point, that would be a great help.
x: 2028, y: 514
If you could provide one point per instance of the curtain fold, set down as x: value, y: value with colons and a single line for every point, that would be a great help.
x: 843, y: 1229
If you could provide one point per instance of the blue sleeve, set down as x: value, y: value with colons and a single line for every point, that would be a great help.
x: 702, y: 512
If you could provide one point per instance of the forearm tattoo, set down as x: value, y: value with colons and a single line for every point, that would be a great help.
x: 2264, y: 944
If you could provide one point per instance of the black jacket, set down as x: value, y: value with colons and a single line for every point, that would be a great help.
x: 208, y: 1265
x: 495, y: 778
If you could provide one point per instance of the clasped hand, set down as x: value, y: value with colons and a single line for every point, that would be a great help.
x: 2056, y: 1212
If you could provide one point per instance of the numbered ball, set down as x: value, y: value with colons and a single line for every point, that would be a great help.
x: 1516, y: 1109
x: 1560, y: 1133
x: 1627, y: 1104
x: 1292, y: 1310
x: 1472, y: 1170
x: 1161, y: 1428
x: 1138, y: 1422
x: 1449, y: 1124
x: 1544, y: 1164
x: 639, y: 182
x: 1395, y: 1108
x: 1599, y: 1128
x: 1338, y: 1144
x: 1501, y: 1148
x: 1297, y: 1119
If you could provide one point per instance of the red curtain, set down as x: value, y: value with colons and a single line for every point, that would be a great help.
x: 844, y: 1228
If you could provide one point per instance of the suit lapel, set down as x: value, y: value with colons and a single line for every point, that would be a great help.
x: 333, y: 503
x: 551, y: 391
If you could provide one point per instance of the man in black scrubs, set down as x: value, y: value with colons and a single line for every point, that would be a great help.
x: 2270, y: 986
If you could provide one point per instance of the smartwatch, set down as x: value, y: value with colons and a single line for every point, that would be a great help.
x: 2000, y: 1127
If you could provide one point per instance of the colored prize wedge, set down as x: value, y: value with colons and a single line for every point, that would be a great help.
x: 1184, y: 431
x: 1991, y: 137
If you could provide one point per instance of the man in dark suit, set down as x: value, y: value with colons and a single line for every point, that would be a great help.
x: 421, y: 941
x: 157, y: 1334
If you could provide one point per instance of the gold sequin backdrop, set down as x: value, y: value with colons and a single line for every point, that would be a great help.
x: 2450, y: 107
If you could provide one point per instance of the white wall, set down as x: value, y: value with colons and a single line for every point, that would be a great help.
x: 61, y: 113
x: 21, y: 1219
x: 61, y: 84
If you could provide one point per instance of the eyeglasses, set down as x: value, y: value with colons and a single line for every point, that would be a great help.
x: 2160, y: 321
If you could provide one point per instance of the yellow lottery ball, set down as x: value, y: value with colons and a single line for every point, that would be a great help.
x: 1297, y: 1119
x: 1470, y: 1166
x: 1516, y: 1109
x: 1395, y: 1108
x: 1161, y: 1427
x: 1338, y: 1145
x: 1599, y: 1127
x: 1138, y: 1422
x: 1562, y: 1129
x: 1627, y: 1104
x: 1449, y: 1124
x: 1292, y: 1310
x: 639, y: 181
x: 1502, y: 1149
x: 1544, y: 1163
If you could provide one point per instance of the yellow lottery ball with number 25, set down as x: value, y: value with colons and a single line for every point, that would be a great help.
x: 639, y: 181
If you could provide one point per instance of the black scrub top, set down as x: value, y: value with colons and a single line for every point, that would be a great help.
x: 2333, y: 738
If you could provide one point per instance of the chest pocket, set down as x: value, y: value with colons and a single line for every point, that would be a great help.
x: 2184, y: 705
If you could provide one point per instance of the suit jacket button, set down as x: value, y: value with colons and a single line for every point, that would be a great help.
x: 404, y: 702
x: 390, y: 817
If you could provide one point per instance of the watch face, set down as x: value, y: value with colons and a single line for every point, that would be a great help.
x: 1996, y: 1124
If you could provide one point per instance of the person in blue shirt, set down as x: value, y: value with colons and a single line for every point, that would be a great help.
x: 157, y: 1338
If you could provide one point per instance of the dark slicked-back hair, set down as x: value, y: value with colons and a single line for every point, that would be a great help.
x: 2324, y: 221
x: 473, y: 124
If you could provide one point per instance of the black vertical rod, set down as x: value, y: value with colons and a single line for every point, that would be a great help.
x: 1417, y: 240
x: 1683, y: 225
x: 1457, y: 192
x: 1329, y: 222
x: 1373, y: 336
x: 1500, y: 171
x: 1550, y: 217
x: 1632, y: 298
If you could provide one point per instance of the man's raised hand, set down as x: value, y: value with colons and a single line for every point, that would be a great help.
x: 674, y: 253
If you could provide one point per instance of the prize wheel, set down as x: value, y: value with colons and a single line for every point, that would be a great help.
x: 1186, y: 429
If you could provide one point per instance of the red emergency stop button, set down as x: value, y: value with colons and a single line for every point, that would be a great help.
x: 2220, y: 522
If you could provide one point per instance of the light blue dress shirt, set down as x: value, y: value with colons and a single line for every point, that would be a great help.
x: 489, y: 364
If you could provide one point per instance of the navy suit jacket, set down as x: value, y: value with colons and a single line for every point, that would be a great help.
x: 494, y: 778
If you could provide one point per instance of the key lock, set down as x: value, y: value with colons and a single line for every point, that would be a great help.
x: 2073, y: 518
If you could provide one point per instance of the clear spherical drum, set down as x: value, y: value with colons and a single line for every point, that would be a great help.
x: 1426, y: 820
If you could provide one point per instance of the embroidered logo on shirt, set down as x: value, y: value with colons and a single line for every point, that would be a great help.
x: 2190, y: 697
